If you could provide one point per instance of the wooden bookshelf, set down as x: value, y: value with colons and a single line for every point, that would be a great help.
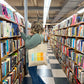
x: 70, y: 70
x: 75, y: 49
x: 4, y: 38
x: 3, y: 58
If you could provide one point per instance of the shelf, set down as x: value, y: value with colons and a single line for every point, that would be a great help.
x: 57, y: 35
x: 5, y: 76
x: 7, y: 55
x: 3, y: 18
x: 81, y: 37
x: 3, y: 38
x: 10, y: 53
x: 77, y: 24
x: 11, y: 71
x: 76, y: 37
x: 21, y: 47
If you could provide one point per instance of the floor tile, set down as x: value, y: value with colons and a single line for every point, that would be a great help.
x: 48, y: 61
x: 61, y: 81
x: 49, y: 49
x: 58, y: 73
x: 52, y: 57
x: 53, y: 61
x: 50, y: 52
x: 45, y: 72
x: 55, y: 66
x: 27, y: 80
x: 48, y: 80
x: 44, y: 67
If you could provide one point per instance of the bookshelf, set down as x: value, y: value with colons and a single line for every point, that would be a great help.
x: 10, y: 54
x: 12, y: 51
x: 67, y: 41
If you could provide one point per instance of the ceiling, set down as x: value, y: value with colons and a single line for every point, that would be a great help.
x: 57, y: 10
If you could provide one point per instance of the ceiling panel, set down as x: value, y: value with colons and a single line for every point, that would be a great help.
x: 57, y: 3
x: 40, y: 2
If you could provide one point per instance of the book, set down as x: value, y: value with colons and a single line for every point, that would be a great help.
x: 82, y: 77
x: 7, y: 47
x: 73, y: 42
x: 3, y: 69
x: 82, y: 46
x: 78, y: 44
x: 1, y: 50
x: 4, y: 11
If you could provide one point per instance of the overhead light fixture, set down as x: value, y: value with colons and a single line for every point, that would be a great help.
x: 46, y: 10
x: 81, y: 11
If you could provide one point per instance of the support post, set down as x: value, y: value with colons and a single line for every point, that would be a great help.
x: 26, y: 19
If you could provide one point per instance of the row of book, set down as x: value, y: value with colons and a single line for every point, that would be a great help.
x: 9, y: 14
x: 10, y: 45
x: 76, y: 57
x: 8, y: 29
x: 11, y: 61
x: 71, y: 42
x: 72, y: 31
x: 71, y: 21
x: 76, y: 31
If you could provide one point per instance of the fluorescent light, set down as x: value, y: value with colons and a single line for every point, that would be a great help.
x: 46, y: 10
x: 81, y: 11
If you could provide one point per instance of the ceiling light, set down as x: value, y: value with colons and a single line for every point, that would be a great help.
x: 46, y: 10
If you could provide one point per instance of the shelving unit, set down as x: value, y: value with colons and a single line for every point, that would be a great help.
x: 3, y: 58
x: 60, y: 44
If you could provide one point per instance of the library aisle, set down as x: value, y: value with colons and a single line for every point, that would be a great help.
x: 51, y: 74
